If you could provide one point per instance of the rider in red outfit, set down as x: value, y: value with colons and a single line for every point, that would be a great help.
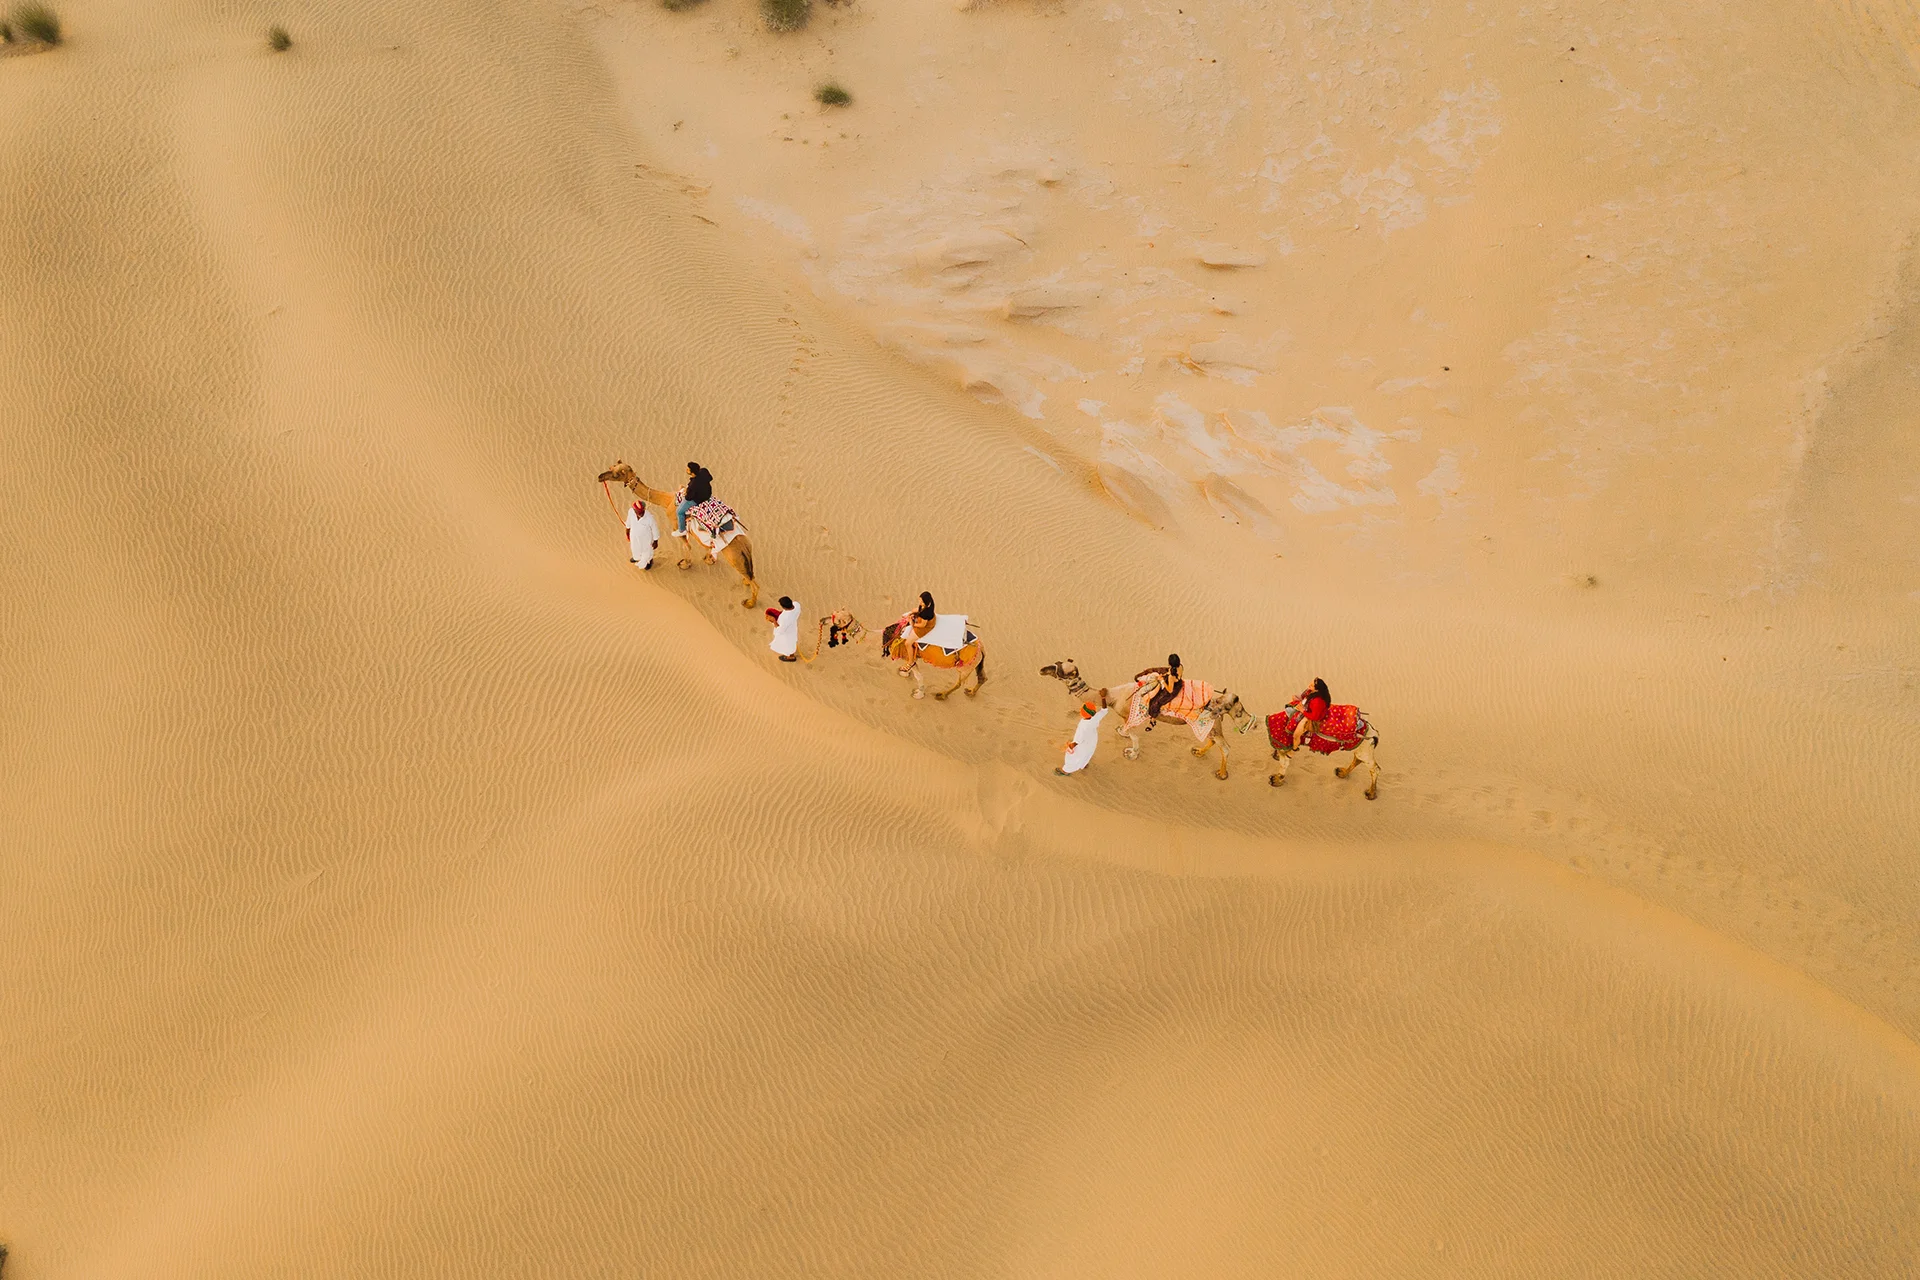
x: 1317, y: 702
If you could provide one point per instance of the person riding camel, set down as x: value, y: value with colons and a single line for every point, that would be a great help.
x: 1314, y: 706
x: 913, y: 624
x: 698, y: 489
x: 1169, y: 679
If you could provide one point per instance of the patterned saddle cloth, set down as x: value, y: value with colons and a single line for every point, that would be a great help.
x: 1341, y: 729
x: 714, y: 524
x: 716, y: 515
x: 1189, y: 706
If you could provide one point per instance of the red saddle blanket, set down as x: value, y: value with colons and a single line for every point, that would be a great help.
x: 1341, y: 729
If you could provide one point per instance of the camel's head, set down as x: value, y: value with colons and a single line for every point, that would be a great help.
x: 1227, y: 706
x: 619, y: 471
x: 1066, y: 672
x: 842, y: 628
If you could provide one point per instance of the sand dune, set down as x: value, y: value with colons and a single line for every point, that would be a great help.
x: 401, y: 885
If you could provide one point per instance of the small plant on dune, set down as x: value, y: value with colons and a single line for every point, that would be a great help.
x: 6, y: 33
x: 831, y: 94
x: 785, y: 15
x: 37, y: 22
x: 278, y: 40
x: 675, y: 6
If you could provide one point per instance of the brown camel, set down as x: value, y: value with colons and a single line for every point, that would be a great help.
x: 737, y: 551
x: 901, y: 643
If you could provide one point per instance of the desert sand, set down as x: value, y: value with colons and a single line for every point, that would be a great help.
x: 399, y: 884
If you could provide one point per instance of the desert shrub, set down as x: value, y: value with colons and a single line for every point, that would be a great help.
x: 278, y: 40
x: 676, y: 6
x: 6, y: 33
x: 831, y: 94
x: 37, y: 22
x: 785, y: 15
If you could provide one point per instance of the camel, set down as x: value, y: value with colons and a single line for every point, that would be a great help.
x: 900, y: 641
x: 736, y: 551
x: 1345, y: 728
x: 837, y: 628
x: 1202, y: 708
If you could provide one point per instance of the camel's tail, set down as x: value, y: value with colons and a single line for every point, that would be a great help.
x: 980, y: 672
x: 746, y: 559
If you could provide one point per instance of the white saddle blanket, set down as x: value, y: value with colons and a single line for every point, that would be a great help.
x: 710, y: 540
x: 949, y: 632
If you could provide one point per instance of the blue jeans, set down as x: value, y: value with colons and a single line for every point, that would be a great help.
x: 680, y: 510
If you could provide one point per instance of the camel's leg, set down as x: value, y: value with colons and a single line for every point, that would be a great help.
x: 738, y: 563
x: 1365, y: 752
x: 919, y: 685
x: 1132, y: 751
x: 948, y: 692
x: 1219, y: 735
x: 1280, y: 776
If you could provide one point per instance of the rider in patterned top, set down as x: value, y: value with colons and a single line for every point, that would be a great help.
x: 1313, y: 711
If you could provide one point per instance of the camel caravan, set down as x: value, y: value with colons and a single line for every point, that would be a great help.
x: 924, y: 640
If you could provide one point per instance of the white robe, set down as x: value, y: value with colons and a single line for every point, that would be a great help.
x: 1085, y: 738
x: 642, y: 532
x: 786, y: 632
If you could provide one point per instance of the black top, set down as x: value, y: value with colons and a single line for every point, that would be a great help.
x: 700, y: 487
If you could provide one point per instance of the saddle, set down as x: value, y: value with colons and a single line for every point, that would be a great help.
x: 1341, y: 729
x: 949, y: 632
x: 716, y: 516
x: 713, y: 524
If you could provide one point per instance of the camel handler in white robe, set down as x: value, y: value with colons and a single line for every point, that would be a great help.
x: 785, y: 618
x: 643, y: 535
x: 1086, y: 737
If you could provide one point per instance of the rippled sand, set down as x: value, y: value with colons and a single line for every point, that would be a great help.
x: 398, y: 884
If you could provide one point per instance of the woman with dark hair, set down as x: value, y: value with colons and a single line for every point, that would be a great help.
x: 1313, y: 710
x: 1171, y: 677
x: 913, y: 624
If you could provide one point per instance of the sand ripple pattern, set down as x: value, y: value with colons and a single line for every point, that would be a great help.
x: 398, y: 885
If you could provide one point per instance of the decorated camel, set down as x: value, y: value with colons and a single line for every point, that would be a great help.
x: 943, y: 643
x: 1208, y: 712
x: 712, y: 524
x: 1344, y: 728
